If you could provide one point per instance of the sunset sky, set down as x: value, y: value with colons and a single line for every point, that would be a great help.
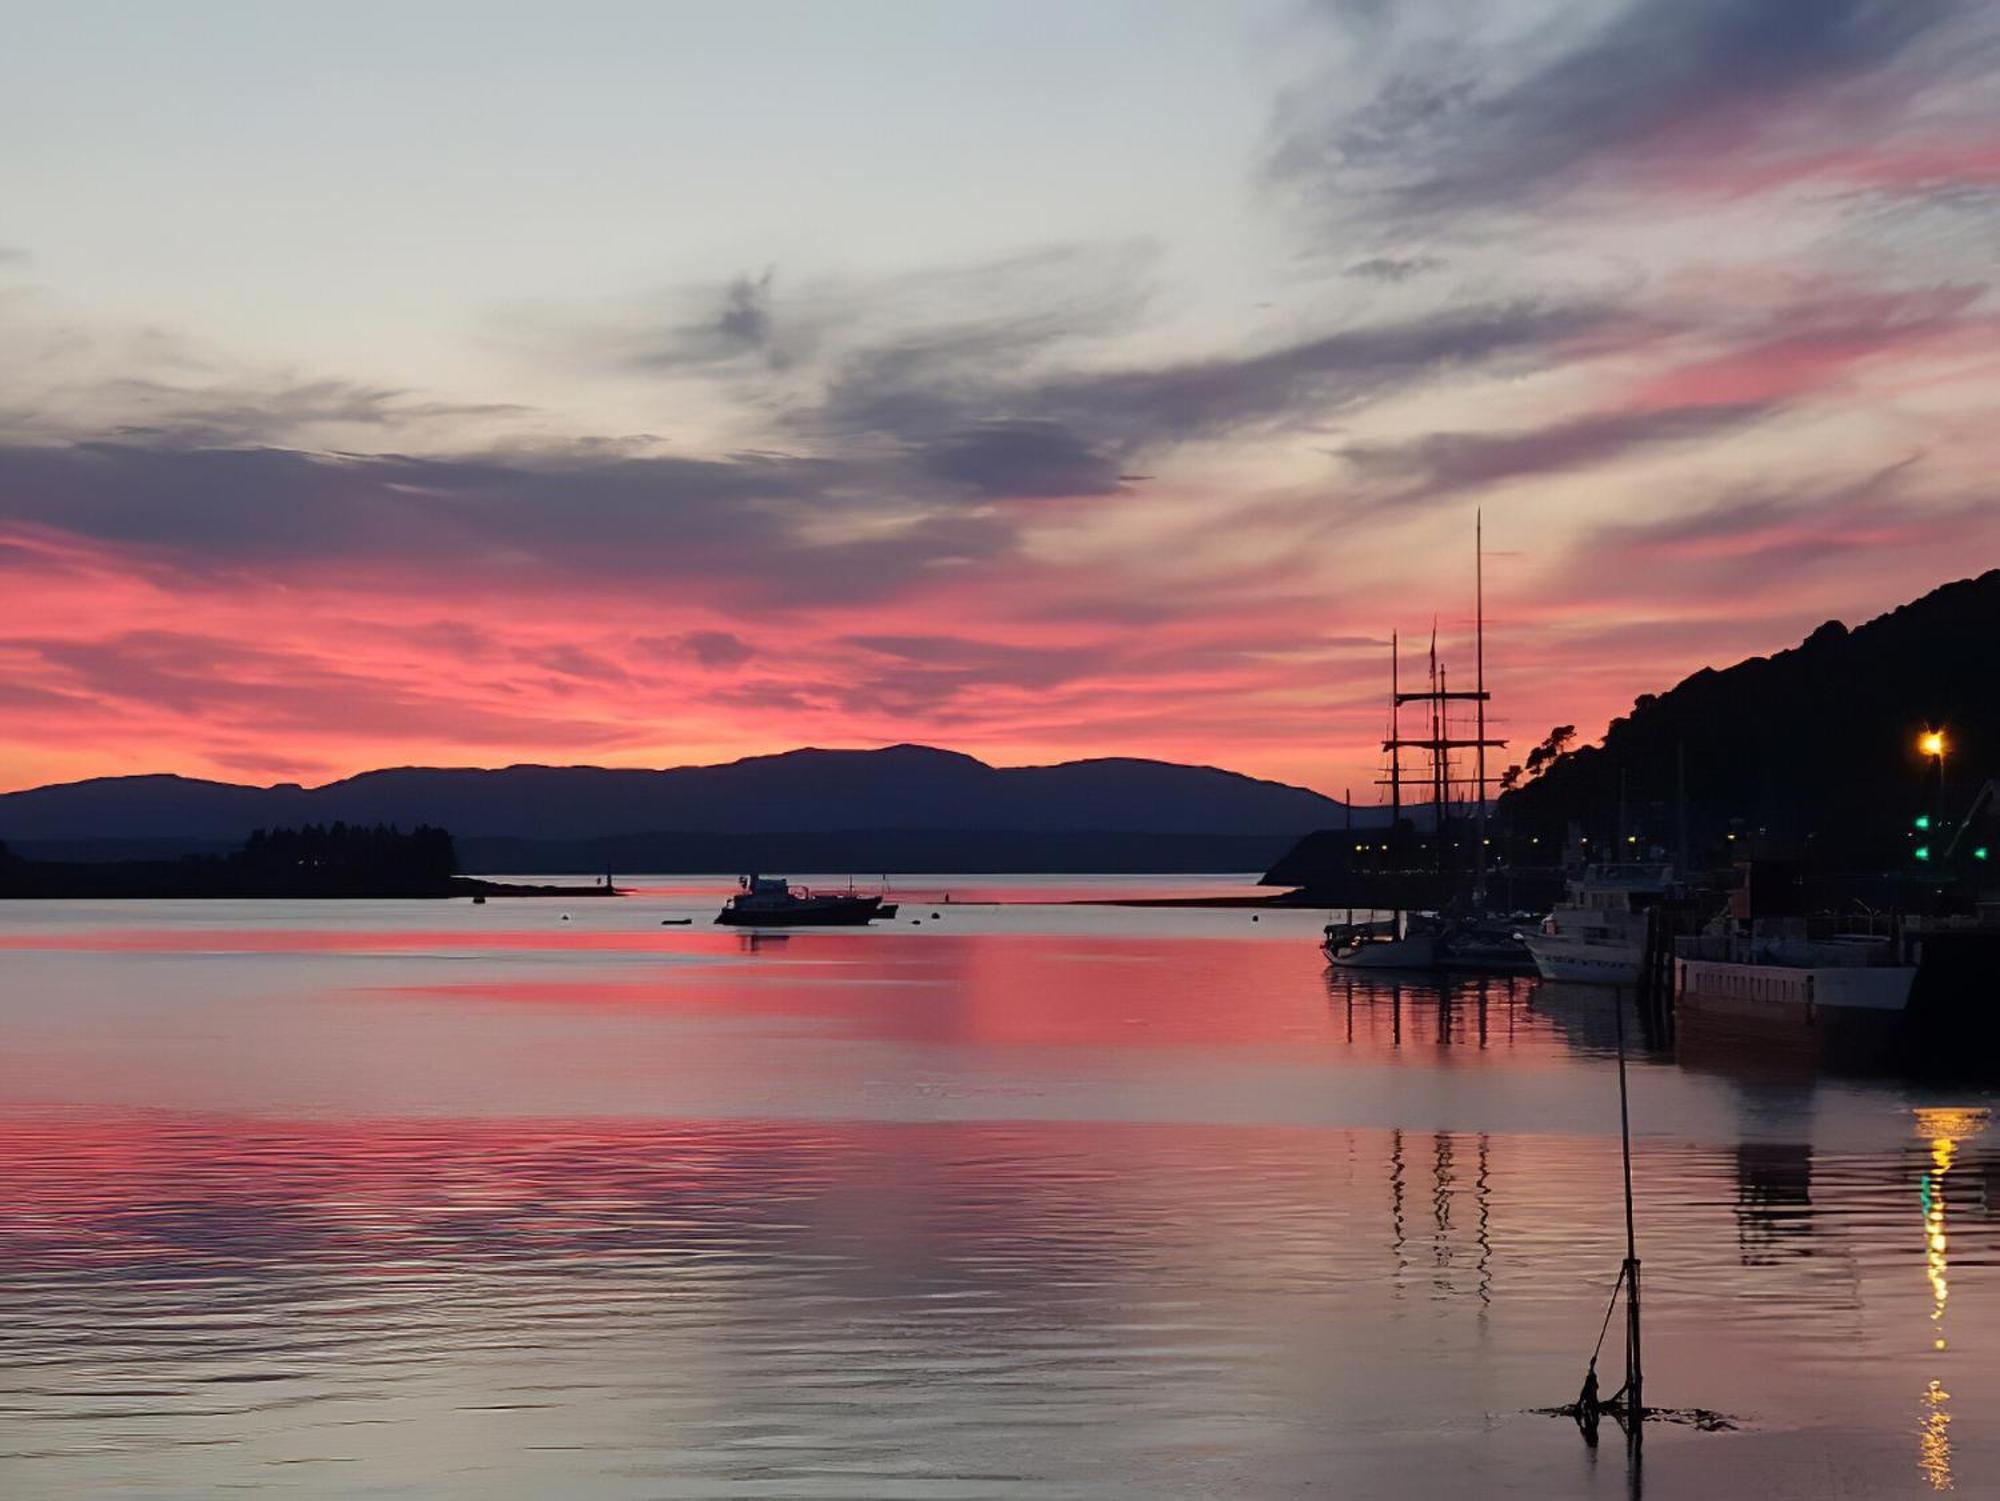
x: 453, y: 383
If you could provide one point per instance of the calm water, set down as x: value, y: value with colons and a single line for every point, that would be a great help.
x: 402, y: 1199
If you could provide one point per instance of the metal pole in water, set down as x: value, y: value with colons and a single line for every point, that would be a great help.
x: 1634, y: 1368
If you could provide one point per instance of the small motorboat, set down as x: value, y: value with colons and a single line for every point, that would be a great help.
x: 773, y: 902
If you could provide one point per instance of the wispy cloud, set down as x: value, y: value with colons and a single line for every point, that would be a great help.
x: 1447, y: 110
x: 1440, y: 466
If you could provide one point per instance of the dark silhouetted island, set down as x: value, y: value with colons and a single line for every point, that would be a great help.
x: 905, y: 808
x: 340, y: 860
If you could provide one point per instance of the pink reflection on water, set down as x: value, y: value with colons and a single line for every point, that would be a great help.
x: 1010, y: 992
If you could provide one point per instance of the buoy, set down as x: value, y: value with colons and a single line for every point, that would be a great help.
x: 1253, y: 917
x: 933, y: 917
x: 565, y: 917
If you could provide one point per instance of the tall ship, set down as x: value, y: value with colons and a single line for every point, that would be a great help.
x: 773, y: 902
x: 1421, y: 761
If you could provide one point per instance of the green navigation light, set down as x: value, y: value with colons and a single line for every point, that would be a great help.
x: 1922, y: 852
x: 1923, y: 820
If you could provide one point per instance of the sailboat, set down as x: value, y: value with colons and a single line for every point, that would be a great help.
x: 1405, y: 940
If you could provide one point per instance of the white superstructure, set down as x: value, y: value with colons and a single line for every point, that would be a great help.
x: 1598, y: 935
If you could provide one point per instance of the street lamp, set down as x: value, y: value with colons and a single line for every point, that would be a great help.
x: 1933, y: 744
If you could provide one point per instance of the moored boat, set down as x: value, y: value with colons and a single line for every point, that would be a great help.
x: 1486, y: 944
x: 1405, y: 941
x: 1598, y: 936
x: 1777, y: 967
x: 773, y: 902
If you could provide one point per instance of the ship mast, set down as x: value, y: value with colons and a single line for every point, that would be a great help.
x: 1437, y: 695
x: 1479, y: 683
x: 1394, y: 748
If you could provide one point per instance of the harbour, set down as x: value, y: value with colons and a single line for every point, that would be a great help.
x: 1036, y: 1199
x: 993, y: 752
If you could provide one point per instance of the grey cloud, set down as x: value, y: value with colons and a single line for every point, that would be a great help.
x: 1392, y: 268
x: 720, y: 650
x: 926, y: 674
x: 1444, y: 464
x: 757, y: 331
x: 742, y: 324
x: 978, y: 378
x: 1079, y: 426
x: 752, y: 530
x: 1308, y: 380
x: 744, y: 317
x: 1754, y: 534
x: 942, y: 375
x: 763, y: 696
x: 990, y: 661
x: 574, y: 662
x: 852, y: 572
x: 23, y: 696
x: 220, y: 416
x: 1746, y: 513
x: 1023, y: 458
x: 1466, y: 119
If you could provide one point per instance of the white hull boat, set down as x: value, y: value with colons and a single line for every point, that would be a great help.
x: 1598, y: 935
x: 1410, y: 943
x: 1559, y: 956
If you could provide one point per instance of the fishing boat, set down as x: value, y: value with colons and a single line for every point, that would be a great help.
x: 1598, y: 935
x: 773, y: 902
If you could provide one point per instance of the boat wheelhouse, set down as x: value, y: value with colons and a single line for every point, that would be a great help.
x: 773, y: 902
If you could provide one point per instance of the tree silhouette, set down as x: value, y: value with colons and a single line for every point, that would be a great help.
x: 1553, y: 748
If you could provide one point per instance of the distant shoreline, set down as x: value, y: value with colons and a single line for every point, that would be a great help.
x: 1266, y: 899
x: 73, y: 888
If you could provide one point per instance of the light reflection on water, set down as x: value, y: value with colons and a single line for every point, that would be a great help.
x: 1945, y: 1129
x: 1012, y: 1208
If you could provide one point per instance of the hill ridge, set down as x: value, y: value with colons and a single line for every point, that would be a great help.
x: 1814, y: 743
x: 805, y: 790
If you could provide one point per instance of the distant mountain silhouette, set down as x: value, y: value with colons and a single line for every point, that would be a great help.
x: 850, y: 801
x: 338, y: 861
x: 1816, y: 745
